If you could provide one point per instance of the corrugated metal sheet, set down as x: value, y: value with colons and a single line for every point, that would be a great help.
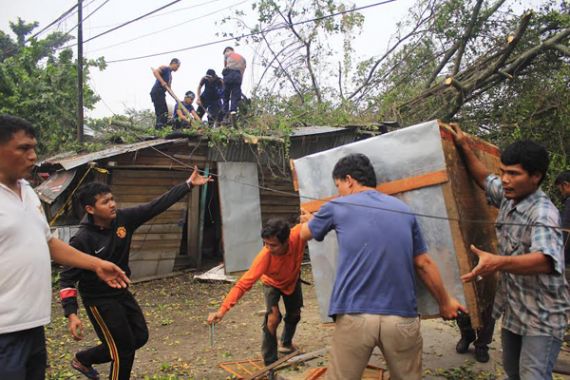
x: 70, y: 161
x: 241, y: 214
x: 405, y: 153
x: 56, y: 184
x: 317, y: 130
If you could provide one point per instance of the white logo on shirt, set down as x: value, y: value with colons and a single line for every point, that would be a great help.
x: 97, y: 251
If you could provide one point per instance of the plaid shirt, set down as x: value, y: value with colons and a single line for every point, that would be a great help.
x: 531, y: 305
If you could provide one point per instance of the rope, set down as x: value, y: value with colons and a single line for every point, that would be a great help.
x: 421, y: 215
x: 70, y: 196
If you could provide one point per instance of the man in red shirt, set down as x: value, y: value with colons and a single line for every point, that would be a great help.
x: 278, y: 265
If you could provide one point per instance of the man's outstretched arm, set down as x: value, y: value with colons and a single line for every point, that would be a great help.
x: 65, y: 254
x: 429, y: 273
x: 476, y: 168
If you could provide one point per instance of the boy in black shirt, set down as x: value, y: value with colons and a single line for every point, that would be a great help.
x: 106, y: 232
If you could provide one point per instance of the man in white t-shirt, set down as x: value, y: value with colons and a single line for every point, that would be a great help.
x: 26, y: 246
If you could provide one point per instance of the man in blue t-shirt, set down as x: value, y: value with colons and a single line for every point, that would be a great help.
x: 183, y: 119
x: 163, y: 80
x: 374, y: 298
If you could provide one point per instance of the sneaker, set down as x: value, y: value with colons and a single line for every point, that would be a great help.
x: 89, y: 372
x: 287, y: 349
x: 463, y: 344
x: 482, y: 354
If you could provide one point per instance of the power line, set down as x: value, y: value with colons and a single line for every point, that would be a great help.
x: 133, y: 20
x: 421, y: 215
x: 86, y: 17
x: 186, y: 8
x: 64, y: 15
x: 253, y: 33
x: 163, y: 14
x: 170, y: 27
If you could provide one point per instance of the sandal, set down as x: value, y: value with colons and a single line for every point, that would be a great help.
x: 89, y: 372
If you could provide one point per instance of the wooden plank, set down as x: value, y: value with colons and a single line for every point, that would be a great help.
x: 392, y: 187
x: 202, y: 211
x: 158, y: 228
x: 294, y: 175
x: 151, y: 180
x: 149, y: 245
x: 462, y: 256
x: 178, y: 206
x: 276, y: 364
x: 193, y: 228
x: 471, y: 204
x: 122, y: 174
x: 156, y: 236
x: 154, y: 188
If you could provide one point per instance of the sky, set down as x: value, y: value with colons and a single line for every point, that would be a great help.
x: 189, y: 22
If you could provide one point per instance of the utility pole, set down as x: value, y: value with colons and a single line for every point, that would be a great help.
x: 80, y: 71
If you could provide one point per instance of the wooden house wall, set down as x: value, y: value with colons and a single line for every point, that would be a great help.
x: 277, y: 204
x: 139, y: 177
x: 156, y: 244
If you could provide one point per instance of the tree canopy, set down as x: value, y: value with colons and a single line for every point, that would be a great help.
x: 38, y: 81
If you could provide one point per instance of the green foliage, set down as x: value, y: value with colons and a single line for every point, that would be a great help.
x: 39, y: 83
x: 464, y: 372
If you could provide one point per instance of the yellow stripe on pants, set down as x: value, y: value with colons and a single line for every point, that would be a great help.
x: 110, y: 342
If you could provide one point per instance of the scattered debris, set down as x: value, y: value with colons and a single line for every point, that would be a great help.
x: 215, y: 274
x: 250, y: 369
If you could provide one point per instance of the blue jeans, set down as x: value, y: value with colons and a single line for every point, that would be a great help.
x: 529, y: 357
x: 232, y: 90
x: 23, y: 355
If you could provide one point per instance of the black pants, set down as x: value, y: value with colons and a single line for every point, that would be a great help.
x: 484, y: 335
x: 119, y: 323
x: 23, y: 355
x: 293, y: 304
x: 160, y: 108
x: 232, y: 90
x: 211, y: 105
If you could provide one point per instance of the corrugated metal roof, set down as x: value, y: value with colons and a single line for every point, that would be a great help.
x: 316, y: 130
x: 72, y: 160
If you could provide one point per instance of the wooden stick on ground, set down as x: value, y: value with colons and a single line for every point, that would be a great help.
x: 273, y: 365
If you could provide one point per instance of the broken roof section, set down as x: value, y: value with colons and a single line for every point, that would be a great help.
x: 56, y: 184
x: 72, y: 160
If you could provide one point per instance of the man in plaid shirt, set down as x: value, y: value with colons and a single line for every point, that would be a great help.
x: 532, y: 295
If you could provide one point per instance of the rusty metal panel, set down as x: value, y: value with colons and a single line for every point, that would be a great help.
x: 55, y: 185
x: 241, y: 213
x: 400, y: 154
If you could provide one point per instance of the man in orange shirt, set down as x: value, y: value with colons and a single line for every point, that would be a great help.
x: 278, y: 265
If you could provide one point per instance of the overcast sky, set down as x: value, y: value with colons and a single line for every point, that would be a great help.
x: 127, y: 84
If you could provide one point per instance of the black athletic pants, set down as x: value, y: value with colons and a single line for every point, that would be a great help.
x: 23, y: 355
x: 120, y: 325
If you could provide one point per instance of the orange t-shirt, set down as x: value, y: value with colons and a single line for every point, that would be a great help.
x: 281, y: 272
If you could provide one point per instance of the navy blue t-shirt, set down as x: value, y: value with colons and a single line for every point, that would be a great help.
x: 166, y: 74
x: 375, y: 269
x: 189, y: 107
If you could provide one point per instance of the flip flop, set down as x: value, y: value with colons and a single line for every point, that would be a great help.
x: 89, y: 372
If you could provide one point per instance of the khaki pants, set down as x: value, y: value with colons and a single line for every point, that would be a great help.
x: 356, y: 335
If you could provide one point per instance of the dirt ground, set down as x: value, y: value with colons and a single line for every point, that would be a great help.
x: 179, y: 346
